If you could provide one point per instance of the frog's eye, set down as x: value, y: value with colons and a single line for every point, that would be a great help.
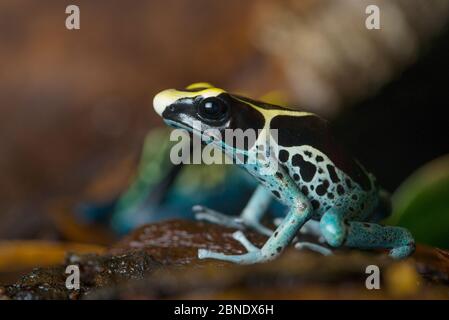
x: 213, y: 109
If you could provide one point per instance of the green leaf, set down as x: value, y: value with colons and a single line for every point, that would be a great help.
x: 421, y: 204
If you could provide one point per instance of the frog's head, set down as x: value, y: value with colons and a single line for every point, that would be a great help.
x: 202, y: 108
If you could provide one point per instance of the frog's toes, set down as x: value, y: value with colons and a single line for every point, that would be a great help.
x: 247, y: 258
x: 206, y: 214
x: 253, y: 255
x: 206, y: 254
x: 203, y: 213
x: 403, y: 251
x: 240, y: 237
x: 313, y: 247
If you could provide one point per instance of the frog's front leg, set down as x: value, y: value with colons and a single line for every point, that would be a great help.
x: 311, y: 228
x: 364, y: 235
x: 250, y: 216
x: 283, y: 235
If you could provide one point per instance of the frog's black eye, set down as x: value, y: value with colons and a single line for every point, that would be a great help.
x: 213, y: 109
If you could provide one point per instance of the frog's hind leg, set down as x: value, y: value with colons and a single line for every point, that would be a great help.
x: 338, y: 232
x: 374, y: 236
x: 250, y: 216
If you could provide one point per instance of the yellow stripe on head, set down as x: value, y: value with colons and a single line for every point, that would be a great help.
x: 199, y: 85
x: 167, y: 97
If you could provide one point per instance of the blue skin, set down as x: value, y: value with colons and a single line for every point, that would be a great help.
x: 339, y: 223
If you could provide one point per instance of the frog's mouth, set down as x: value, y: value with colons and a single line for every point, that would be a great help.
x: 178, y: 125
x: 198, y: 132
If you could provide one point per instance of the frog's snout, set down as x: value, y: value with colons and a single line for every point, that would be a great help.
x: 162, y: 100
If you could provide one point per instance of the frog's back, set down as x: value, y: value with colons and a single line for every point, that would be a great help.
x: 323, y: 170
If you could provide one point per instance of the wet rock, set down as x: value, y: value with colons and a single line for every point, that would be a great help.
x: 95, y: 272
x: 177, y: 241
x: 295, y: 275
x: 160, y: 261
x: 41, y: 283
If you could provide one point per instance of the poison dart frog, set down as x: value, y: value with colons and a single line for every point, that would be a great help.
x: 326, y: 191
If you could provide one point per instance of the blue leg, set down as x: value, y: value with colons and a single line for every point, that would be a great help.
x: 250, y: 216
x: 300, y: 212
x: 374, y: 236
x: 364, y: 235
x: 283, y: 235
x: 333, y: 228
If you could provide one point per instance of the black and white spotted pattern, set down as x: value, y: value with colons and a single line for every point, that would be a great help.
x: 318, y: 178
x: 325, y: 184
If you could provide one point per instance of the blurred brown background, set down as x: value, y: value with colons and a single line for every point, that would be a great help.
x: 73, y: 102
x: 75, y: 105
x: 66, y: 94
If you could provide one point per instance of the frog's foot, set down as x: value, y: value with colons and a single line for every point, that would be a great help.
x: 403, y: 251
x: 253, y: 255
x: 203, y: 213
x: 313, y: 247
x: 273, y: 247
x: 365, y: 235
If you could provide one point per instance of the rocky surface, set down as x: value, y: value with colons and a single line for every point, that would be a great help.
x: 159, y: 261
